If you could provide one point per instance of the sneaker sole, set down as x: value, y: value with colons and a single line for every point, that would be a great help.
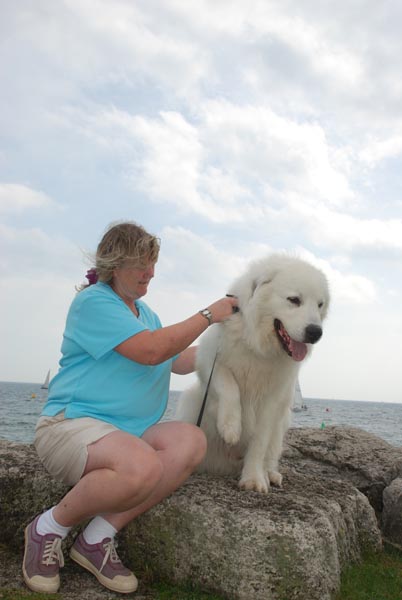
x: 47, y: 587
x: 105, y: 581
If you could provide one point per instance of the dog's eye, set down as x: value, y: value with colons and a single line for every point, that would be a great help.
x: 320, y: 304
x: 295, y: 300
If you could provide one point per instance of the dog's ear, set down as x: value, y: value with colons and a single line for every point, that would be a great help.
x: 257, y: 284
x: 260, y: 272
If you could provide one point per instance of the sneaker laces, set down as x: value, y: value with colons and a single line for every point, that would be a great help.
x: 53, y: 553
x: 111, y: 553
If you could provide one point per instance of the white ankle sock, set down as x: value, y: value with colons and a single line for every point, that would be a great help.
x: 97, y: 530
x: 48, y: 524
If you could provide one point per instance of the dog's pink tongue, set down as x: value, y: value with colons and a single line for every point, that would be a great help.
x: 299, y: 350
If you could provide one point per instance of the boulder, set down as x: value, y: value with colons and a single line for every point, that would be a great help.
x: 345, y: 453
x: 292, y: 543
x: 392, y: 512
x: 25, y: 490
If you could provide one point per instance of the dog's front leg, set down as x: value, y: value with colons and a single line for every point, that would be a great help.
x: 254, y: 475
x: 229, y: 407
x: 274, y: 449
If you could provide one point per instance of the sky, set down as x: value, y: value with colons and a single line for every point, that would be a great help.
x: 229, y: 128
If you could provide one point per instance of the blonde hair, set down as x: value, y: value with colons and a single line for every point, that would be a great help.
x: 122, y: 243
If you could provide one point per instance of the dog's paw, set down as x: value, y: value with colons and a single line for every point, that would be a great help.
x: 231, y: 431
x: 275, y: 478
x: 255, y: 484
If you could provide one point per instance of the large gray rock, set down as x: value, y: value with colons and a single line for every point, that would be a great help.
x: 292, y: 543
x: 25, y: 490
x: 392, y: 512
x: 346, y: 453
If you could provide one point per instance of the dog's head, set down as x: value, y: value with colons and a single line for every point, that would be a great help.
x: 283, y: 302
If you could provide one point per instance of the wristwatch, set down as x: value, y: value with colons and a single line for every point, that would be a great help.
x: 207, y: 314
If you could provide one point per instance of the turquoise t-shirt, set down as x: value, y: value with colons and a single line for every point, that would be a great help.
x: 96, y: 381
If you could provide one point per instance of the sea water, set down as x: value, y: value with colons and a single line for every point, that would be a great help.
x: 21, y: 405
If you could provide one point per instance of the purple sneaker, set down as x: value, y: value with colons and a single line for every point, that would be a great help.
x: 102, y: 560
x: 42, y: 559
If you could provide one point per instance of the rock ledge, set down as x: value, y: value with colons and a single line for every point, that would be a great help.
x: 290, y: 544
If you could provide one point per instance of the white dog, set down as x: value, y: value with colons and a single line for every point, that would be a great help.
x: 282, y: 302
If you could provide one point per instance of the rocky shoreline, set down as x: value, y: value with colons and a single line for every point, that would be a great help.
x: 341, y: 495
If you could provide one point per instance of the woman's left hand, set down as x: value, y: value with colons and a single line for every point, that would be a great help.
x: 185, y: 362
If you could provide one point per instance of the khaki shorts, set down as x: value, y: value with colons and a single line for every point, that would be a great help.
x: 62, y: 444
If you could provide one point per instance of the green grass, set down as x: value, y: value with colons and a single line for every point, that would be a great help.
x: 379, y: 577
x: 165, y: 592
x: 158, y: 592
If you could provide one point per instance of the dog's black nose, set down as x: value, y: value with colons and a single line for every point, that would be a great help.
x: 312, y: 334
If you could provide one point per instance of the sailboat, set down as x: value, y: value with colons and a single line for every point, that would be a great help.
x: 46, y: 382
x: 298, y: 402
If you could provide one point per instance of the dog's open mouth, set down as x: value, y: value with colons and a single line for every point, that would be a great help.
x: 296, y: 350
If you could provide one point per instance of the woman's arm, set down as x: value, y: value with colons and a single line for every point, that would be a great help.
x: 154, y: 347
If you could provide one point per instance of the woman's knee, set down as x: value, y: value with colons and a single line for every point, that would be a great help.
x: 145, y: 470
x: 194, y: 443
x: 136, y: 465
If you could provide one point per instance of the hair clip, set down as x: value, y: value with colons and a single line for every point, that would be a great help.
x: 92, y: 276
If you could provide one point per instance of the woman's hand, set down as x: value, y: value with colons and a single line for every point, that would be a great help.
x: 185, y: 362
x: 223, y: 308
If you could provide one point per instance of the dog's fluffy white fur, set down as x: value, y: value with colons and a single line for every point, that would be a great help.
x: 283, y: 301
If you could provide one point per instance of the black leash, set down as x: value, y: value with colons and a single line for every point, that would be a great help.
x: 235, y: 309
x: 206, y: 395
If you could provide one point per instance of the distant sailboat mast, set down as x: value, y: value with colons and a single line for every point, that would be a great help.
x: 46, y: 382
x: 298, y: 402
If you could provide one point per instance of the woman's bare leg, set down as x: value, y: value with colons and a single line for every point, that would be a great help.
x: 180, y: 447
x: 126, y: 475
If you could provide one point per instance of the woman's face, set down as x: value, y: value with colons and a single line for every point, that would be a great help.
x: 131, y: 282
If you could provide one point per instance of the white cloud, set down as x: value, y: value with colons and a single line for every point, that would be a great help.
x: 261, y: 144
x: 346, y: 288
x: 377, y: 151
x: 174, y: 167
x: 96, y: 43
x: 204, y: 264
x: 309, y: 39
x: 347, y: 233
x: 171, y: 160
x: 224, y: 158
x: 34, y: 253
x: 38, y: 275
x: 236, y: 164
x: 36, y: 309
x: 16, y: 199
x: 326, y: 63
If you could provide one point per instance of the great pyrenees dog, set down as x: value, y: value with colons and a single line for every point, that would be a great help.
x: 255, y: 356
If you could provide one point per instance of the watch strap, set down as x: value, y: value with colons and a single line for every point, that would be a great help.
x: 205, y: 312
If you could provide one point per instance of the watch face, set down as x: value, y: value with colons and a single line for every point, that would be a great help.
x: 207, y: 314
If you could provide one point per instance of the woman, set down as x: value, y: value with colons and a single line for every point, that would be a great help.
x: 99, y: 430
